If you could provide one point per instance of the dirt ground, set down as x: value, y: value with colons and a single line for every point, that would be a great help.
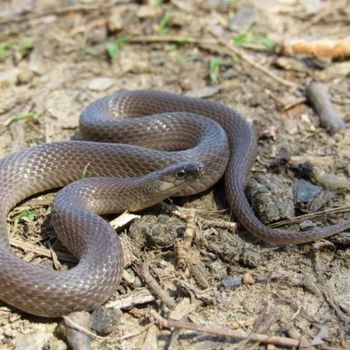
x: 58, y: 56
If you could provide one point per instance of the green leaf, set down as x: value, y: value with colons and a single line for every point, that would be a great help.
x: 163, y: 26
x: 26, y: 216
x: 27, y: 116
x: 113, y: 48
x: 214, y: 68
x: 5, y: 48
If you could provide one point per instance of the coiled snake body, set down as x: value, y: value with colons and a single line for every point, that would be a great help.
x: 184, y: 130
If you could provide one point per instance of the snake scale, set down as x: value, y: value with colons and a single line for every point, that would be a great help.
x: 143, y: 146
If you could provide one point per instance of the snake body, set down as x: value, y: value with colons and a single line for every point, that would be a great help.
x: 133, y: 136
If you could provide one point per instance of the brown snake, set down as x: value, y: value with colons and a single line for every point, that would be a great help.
x: 124, y: 176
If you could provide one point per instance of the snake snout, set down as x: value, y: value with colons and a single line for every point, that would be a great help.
x: 175, y: 177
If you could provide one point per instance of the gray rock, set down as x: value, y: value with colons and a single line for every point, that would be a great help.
x: 105, y: 320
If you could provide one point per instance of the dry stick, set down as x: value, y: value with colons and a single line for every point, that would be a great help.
x: 183, y: 246
x: 77, y: 330
x: 41, y: 251
x: 70, y: 323
x: 212, y: 45
x: 226, y: 332
x: 146, y: 276
x: 251, y: 62
x: 317, y: 48
x: 311, y: 215
x: 170, y: 39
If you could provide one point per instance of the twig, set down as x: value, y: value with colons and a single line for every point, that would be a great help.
x: 41, y: 251
x: 310, y: 215
x: 177, y: 39
x: 236, y: 51
x: 135, y: 334
x: 184, y: 245
x: 138, y: 296
x: 72, y: 324
x: 212, y: 45
x: 317, y: 48
x: 226, y: 332
x: 157, y: 289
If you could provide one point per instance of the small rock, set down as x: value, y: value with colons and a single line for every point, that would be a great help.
x: 305, y: 191
x: 115, y: 21
x: 248, y: 279
x: 307, y: 225
x: 8, y: 78
x: 249, y: 258
x: 101, y: 84
x: 25, y: 76
x: 9, y: 333
x: 232, y: 282
x: 218, y: 269
x: 288, y: 63
x: 105, y: 320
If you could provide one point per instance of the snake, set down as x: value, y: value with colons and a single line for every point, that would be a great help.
x: 136, y: 149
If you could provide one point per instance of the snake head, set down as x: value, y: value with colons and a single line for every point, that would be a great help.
x: 174, y: 177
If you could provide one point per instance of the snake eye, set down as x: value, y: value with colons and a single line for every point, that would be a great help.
x: 180, y: 174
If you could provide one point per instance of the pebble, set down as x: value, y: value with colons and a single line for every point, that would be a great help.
x: 105, y: 320
x: 305, y: 191
x: 249, y: 258
x: 232, y: 282
x: 115, y: 21
x: 8, y: 78
x: 101, y: 84
x: 218, y: 269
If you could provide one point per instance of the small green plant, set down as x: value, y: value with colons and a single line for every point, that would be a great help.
x: 214, y: 69
x: 84, y: 174
x: 250, y: 39
x: 25, y: 216
x: 5, y: 48
x: 113, y: 48
x: 26, y: 45
x: 163, y: 27
x: 27, y: 116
